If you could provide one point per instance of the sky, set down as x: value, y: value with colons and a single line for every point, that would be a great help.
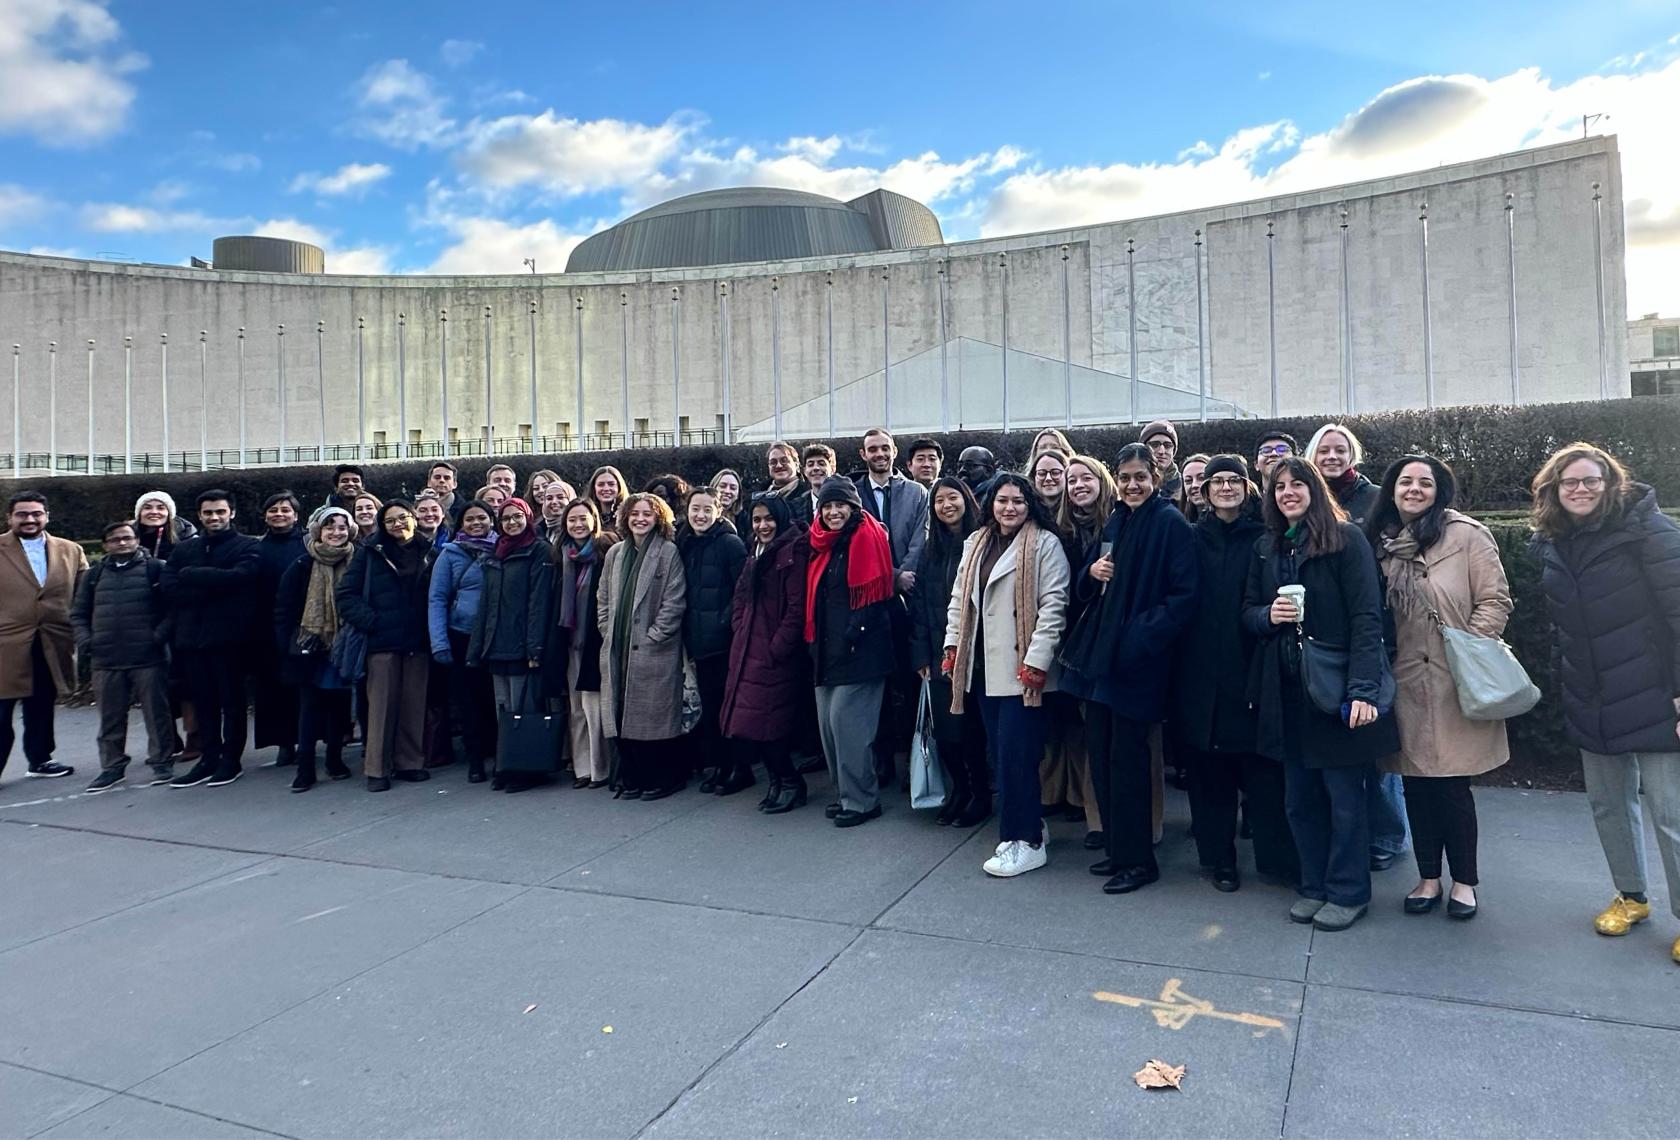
x: 458, y: 138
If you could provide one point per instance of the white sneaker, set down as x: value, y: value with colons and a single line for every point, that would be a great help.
x: 1005, y: 854
x: 1018, y: 859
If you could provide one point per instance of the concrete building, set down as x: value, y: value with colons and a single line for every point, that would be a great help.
x: 1654, y: 355
x: 1494, y: 280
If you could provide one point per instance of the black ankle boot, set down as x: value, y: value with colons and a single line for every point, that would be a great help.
x: 285, y: 756
x: 336, y: 769
x: 771, y: 793
x: 740, y: 779
x: 305, y: 777
x: 475, y: 770
x: 790, y: 796
x: 977, y: 811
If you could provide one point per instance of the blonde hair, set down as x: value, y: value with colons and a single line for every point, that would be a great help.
x: 1066, y: 520
x: 1356, y: 450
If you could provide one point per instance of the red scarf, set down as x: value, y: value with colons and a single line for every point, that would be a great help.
x: 506, y: 544
x: 869, y: 569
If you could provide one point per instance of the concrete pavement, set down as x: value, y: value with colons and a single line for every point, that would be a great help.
x: 445, y: 960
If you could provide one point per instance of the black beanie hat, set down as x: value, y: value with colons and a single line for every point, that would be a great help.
x: 839, y: 489
x: 1227, y: 464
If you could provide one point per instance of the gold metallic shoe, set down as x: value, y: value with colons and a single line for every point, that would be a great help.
x: 1618, y: 918
x: 1675, y: 952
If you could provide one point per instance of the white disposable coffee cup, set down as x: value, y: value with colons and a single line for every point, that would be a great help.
x: 1298, y: 596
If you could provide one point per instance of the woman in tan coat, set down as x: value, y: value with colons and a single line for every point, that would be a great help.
x: 640, y: 608
x: 1438, y: 563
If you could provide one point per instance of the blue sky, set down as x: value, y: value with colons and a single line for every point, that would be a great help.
x: 461, y: 138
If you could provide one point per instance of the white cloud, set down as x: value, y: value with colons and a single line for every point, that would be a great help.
x: 1414, y: 125
x: 568, y: 156
x: 292, y: 230
x: 366, y: 260
x: 119, y: 218
x: 491, y: 245
x: 18, y: 204
x: 62, y: 74
x: 236, y: 163
x: 353, y: 178
x: 402, y: 107
x: 459, y: 53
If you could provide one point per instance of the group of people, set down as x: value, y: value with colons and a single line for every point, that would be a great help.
x: 1272, y: 629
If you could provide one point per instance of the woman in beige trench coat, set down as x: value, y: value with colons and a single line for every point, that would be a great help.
x: 640, y: 607
x: 1436, y: 561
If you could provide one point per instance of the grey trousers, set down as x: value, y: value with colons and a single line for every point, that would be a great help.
x: 1613, y: 784
x: 115, y: 690
x: 510, y: 690
x: 847, y: 716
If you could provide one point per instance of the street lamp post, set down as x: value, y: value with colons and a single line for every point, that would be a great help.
x: 321, y: 385
x: 90, y: 404
x: 280, y: 383
x: 52, y: 407
x: 163, y: 369
x: 128, y: 405
x: 203, y: 402
x: 241, y: 379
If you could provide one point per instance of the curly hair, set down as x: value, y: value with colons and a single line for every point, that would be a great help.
x: 1547, y: 517
x: 664, y: 521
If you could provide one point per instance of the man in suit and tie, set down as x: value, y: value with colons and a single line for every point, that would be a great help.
x: 38, y: 579
x: 900, y: 505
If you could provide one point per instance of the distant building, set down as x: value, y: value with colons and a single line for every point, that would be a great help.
x: 1654, y: 355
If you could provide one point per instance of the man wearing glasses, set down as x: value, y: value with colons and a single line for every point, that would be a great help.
x: 1161, y: 438
x: 1273, y: 449
x: 38, y: 579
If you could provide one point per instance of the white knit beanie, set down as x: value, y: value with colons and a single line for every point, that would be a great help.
x: 160, y: 496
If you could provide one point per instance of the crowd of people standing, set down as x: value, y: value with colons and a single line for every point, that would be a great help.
x: 1270, y: 626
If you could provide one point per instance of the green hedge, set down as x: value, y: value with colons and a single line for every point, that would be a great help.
x: 1541, y: 754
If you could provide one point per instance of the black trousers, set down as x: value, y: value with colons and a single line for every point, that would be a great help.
x: 38, y: 739
x: 898, y: 699
x: 776, y: 756
x: 323, y: 715
x: 710, y: 749
x: 1216, y: 780
x: 1123, y: 777
x: 962, y: 745
x: 475, y: 702
x: 216, y: 683
x: 1442, y: 812
x: 274, y: 705
x: 651, y: 765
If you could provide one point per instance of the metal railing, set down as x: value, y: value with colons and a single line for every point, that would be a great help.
x: 224, y: 459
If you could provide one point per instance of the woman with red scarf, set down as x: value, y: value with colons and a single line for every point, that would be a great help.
x: 848, y: 586
x: 507, y: 639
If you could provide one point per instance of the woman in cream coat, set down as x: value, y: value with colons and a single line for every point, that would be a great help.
x: 1007, y: 613
x: 1436, y: 561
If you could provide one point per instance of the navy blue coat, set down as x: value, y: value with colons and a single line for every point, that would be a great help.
x: 1613, y: 590
x: 1140, y: 616
x: 1345, y: 609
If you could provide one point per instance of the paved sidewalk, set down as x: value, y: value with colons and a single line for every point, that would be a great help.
x: 444, y: 960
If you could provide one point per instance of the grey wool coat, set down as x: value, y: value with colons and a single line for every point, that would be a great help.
x: 653, y: 693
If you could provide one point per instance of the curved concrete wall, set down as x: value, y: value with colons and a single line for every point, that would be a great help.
x: 658, y: 338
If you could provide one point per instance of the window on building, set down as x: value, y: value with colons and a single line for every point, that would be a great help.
x: 1657, y: 383
x: 1665, y: 341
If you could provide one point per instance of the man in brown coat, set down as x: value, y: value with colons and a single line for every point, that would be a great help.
x: 38, y: 578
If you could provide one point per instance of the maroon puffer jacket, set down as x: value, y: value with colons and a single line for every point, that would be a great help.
x: 769, y: 688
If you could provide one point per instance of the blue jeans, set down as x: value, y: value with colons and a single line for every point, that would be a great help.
x: 1016, y: 735
x: 1385, y: 803
x: 1326, y: 810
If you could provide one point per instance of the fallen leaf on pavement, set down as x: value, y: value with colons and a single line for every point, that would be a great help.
x: 1159, y: 1075
x: 530, y: 1007
x: 606, y: 1029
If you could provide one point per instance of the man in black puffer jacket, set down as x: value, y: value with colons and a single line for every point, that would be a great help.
x: 208, y: 585
x: 712, y: 555
x: 118, y: 618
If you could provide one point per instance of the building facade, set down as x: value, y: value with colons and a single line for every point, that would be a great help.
x: 1487, y: 281
x: 1654, y: 355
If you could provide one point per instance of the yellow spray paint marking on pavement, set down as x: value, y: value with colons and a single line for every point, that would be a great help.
x: 1175, y: 1009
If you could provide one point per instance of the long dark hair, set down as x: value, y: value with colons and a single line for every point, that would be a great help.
x: 942, y: 545
x: 1320, y: 528
x: 1037, y: 514
x: 1427, y: 528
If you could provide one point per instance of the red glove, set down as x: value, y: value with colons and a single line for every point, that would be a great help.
x: 1032, y: 678
x: 949, y: 664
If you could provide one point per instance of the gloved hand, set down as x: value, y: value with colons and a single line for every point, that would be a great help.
x: 444, y: 657
x: 949, y: 662
x: 1032, y: 678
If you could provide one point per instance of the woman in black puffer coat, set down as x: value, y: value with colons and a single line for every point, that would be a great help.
x: 712, y: 555
x: 1610, y: 570
x: 953, y: 515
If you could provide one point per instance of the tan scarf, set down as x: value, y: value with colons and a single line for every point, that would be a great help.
x: 320, y: 612
x: 1026, y: 609
x: 1402, y: 565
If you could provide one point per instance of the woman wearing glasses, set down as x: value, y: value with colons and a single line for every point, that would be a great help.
x: 1610, y: 570
x: 1140, y: 587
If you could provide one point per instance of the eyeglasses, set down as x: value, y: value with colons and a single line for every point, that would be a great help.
x: 1048, y: 475
x: 1275, y: 449
x: 1224, y: 482
x: 1590, y: 483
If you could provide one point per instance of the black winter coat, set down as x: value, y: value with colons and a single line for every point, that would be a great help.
x: 513, y: 615
x: 209, y: 583
x: 393, y: 614
x: 1614, y: 595
x: 1211, y: 711
x: 930, y: 601
x: 1359, y: 499
x: 1140, y: 616
x: 285, y: 615
x: 275, y: 555
x: 853, y: 647
x: 711, y: 566
x: 1344, y: 609
x: 118, y: 614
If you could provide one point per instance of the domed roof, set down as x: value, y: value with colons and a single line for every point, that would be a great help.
x: 755, y: 223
